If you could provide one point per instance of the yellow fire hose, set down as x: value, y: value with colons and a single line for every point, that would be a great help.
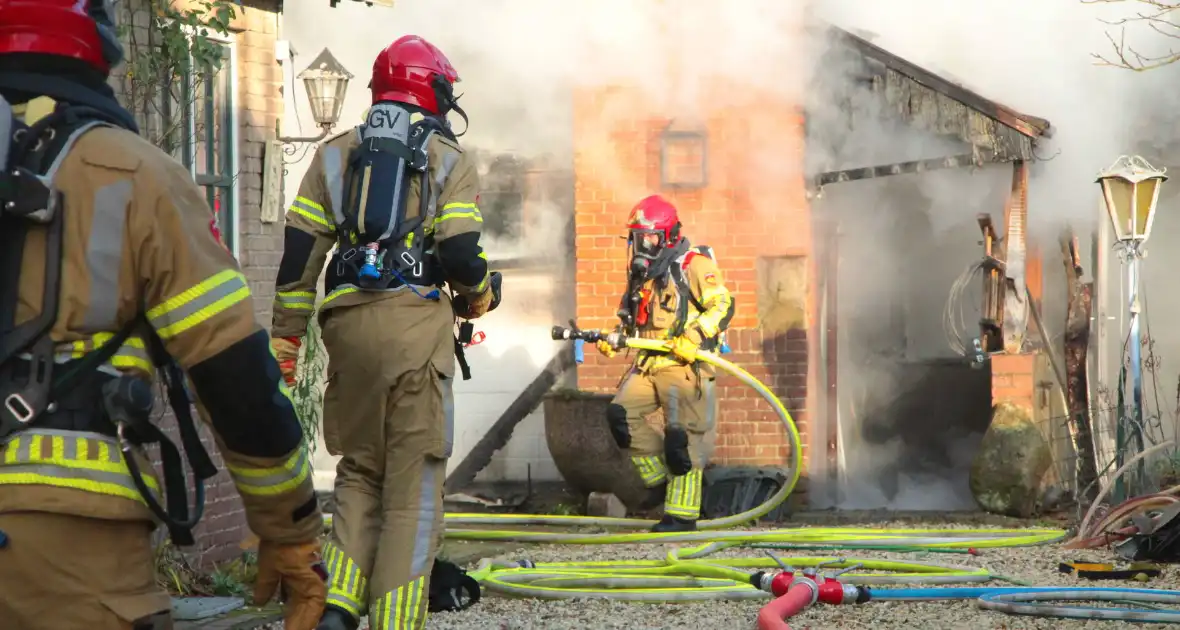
x: 682, y: 576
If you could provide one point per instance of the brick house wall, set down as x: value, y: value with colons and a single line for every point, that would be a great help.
x: 258, y: 94
x: 754, y: 218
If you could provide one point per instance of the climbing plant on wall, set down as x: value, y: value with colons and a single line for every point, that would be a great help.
x: 308, y: 393
x: 172, y: 52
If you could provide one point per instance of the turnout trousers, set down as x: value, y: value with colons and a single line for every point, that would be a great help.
x: 388, y: 414
x: 678, y: 457
x: 66, y: 572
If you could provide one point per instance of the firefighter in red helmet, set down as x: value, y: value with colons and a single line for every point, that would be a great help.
x: 111, y: 277
x: 397, y: 198
x: 675, y: 293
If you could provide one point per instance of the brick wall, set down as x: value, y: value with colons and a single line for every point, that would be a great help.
x: 1012, y: 379
x: 259, y: 100
x: 752, y: 209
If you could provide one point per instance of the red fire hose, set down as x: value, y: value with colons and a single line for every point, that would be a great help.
x: 802, y: 593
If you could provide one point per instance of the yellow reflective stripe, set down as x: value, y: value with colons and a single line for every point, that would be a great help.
x: 132, y: 354
x: 710, y: 293
x: 683, y: 498
x: 459, y: 211
x: 272, y: 480
x: 403, y: 609
x: 200, y: 303
x: 67, y: 460
x: 297, y: 300
x: 312, y: 211
x: 348, y: 588
x: 339, y: 292
x: 651, y: 470
x: 483, y: 284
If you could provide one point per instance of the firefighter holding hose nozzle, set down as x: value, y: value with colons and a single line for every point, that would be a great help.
x: 675, y: 293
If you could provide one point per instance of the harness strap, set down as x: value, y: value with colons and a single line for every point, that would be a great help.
x: 30, y: 148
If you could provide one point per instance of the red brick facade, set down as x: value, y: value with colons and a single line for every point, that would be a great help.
x: 747, y: 212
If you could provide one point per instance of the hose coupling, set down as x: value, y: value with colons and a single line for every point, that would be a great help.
x: 810, y: 584
x: 835, y: 593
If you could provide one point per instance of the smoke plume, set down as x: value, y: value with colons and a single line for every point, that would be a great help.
x: 904, y: 239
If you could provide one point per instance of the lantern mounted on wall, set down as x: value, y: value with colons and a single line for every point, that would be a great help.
x: 326, y: 81
x: 684, y: 162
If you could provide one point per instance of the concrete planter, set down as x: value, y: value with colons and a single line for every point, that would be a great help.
x: 582, y: 447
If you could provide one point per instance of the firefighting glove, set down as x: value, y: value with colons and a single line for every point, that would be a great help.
x: 286, y: 350
x: 604, y: 347
x: 479, y: 305
x: 685, y: 347
x: 299, y: 569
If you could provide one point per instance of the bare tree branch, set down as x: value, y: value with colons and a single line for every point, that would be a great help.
x: 1157, y: 17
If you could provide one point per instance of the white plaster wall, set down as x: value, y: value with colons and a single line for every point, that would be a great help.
x: 516, y: 348
x: 517, y: 342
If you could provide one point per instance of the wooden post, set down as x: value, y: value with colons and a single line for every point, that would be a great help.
x: 992, y: 312
x: 1077, y: 341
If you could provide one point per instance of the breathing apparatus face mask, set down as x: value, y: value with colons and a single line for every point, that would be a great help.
x: 645, y: 248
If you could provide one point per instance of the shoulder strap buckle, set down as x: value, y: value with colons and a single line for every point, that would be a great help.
x: 20, y: 408
x: 26, y: 196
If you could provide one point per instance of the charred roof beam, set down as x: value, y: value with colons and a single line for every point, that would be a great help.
x: 975, y: 159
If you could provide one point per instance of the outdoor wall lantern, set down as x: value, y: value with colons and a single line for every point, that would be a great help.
x: 326, y: 82
x: 1130, y: 191
x: 684, y: 160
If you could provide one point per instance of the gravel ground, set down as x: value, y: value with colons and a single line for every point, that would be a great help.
x: 1037, y: 565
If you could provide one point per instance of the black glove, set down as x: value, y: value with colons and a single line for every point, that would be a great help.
x: 460, y: 306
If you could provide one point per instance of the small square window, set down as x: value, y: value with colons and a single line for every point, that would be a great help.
x: 683, y: 158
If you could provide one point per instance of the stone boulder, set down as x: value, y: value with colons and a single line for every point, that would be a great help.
x: 1011, y: 463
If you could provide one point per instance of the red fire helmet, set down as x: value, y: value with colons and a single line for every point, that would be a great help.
x: 406, y: 71
x: 78, y: 29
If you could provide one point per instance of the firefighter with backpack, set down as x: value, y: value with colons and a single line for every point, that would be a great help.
x: 676, y: 293
x: 397, y: 198
x: 111, y: 278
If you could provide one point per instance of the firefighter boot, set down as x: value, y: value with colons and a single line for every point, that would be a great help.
x: 336, y: 619
x: 672, y: 524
